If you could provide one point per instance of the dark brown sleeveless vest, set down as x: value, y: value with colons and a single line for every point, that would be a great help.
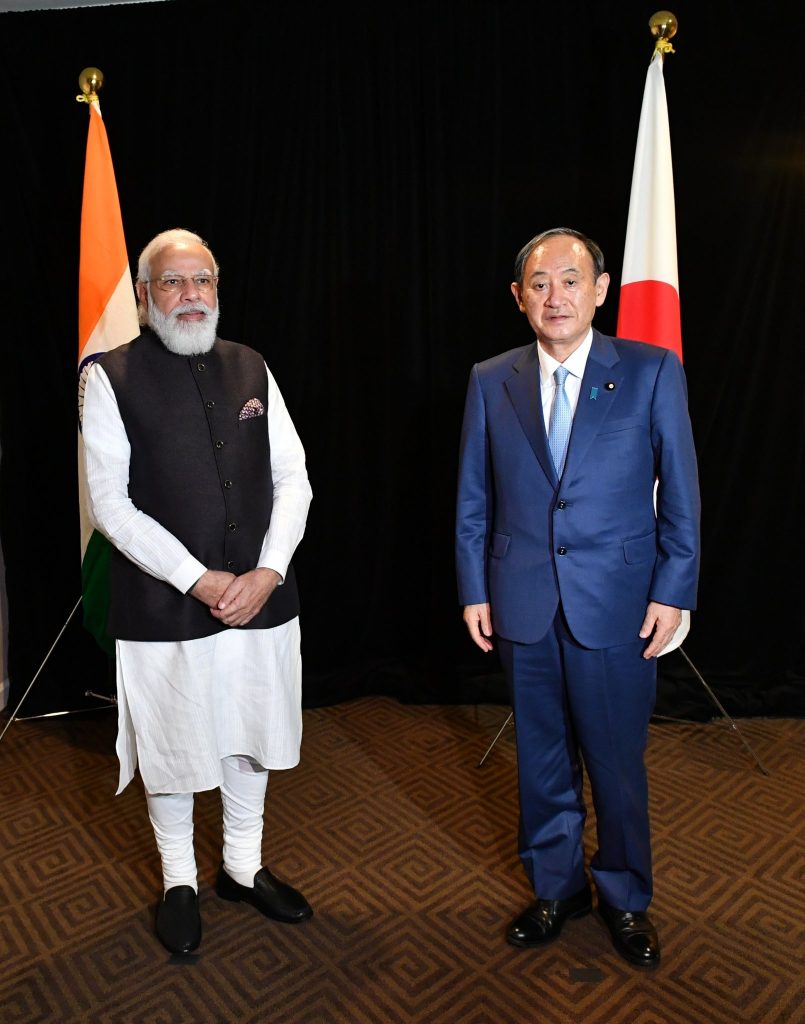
x: 201, y: 472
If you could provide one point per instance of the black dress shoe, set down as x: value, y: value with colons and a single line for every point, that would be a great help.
x: 178, y: 919
x: 633, y: 934
x: 543, y: 921
x: 272, y: 897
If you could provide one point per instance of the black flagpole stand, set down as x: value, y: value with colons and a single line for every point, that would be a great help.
x: 732, y: 723
x: 88, y: 693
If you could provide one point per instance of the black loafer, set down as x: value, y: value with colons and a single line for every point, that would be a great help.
x: 543, y: 921
x: 633, y: 934
x: 270, y: 896
x: 178, y: 923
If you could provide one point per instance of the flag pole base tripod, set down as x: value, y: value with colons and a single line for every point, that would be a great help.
x: 15, y: 717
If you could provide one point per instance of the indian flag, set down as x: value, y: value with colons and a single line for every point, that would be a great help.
x: 648, y: 309
x: 107, y: 317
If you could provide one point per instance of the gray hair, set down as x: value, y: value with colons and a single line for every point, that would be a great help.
x: 174, y: 236
x: 592, y: 248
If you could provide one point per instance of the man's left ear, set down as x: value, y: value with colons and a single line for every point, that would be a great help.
x: 601, y: 286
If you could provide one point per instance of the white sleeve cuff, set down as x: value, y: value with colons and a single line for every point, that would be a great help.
x: 188, y: 574
x: 272, y: 558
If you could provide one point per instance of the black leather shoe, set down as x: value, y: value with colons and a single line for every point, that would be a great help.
x: 633, y: 934
x: 272, y: 897
x: 178, y: 919
x: 544, y: 920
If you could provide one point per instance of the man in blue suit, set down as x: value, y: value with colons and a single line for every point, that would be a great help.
x: 579, y: 565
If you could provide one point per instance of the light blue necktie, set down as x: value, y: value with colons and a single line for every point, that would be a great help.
x: 560, y: 422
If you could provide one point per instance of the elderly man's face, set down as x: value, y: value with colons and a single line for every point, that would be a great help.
x: 560, y: 293
x: 183, y: 260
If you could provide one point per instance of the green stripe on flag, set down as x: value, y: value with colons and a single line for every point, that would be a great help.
x: 95, y: 589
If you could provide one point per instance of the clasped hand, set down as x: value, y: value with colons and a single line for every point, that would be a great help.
x: 235, y: 600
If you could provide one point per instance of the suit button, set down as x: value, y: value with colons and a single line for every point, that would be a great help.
x: 219, y: 444
x: 232, y: 527
x: 227, y: 483
x: 201, y: 366
x: 561, y: 504
x: 561, y: 551
x: 210, y: 405
x: 230, y: 564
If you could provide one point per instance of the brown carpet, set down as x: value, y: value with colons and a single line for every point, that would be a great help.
x: 406, y: 848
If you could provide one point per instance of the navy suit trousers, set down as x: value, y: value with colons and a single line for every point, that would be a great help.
x: 576, y: 707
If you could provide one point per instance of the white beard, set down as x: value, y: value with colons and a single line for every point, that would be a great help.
x: 184, y: 337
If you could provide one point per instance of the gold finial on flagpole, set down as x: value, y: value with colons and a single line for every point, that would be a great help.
x: 663, y: 25
x: 90, y: 80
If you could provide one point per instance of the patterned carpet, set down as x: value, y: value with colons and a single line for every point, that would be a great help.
x: 406, y: 848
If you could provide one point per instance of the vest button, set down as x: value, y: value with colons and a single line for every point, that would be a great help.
x: 232, y: 527
x: 219, y: 444
x: 210, y: 405
x: 227, y: 483
x: 561, y: 551
x: 230, y: 564
x: 201, y: 366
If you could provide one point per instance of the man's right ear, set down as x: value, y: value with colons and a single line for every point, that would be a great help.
x: 518, y: 298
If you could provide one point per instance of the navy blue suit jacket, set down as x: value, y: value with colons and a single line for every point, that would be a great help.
x: 525, y: 540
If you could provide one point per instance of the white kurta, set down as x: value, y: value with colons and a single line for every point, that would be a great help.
x: 183, y: 706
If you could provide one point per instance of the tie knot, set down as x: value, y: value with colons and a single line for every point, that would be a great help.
x: 560, y: 375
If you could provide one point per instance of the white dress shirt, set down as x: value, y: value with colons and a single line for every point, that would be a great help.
x: 574, y: 364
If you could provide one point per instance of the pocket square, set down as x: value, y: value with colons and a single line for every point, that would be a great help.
x: 254, y: 407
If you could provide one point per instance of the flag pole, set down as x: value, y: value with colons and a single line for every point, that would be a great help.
x: 107, y: 318
x: 663, y: 26
x: 90, y: 81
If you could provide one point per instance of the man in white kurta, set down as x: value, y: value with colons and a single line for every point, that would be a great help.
x: 217, y: 710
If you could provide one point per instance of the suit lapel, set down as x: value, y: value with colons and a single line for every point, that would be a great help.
x: 523, y: 388
x: 595, y: 399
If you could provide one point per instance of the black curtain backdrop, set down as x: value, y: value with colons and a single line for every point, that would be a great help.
x: 365, y: 178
